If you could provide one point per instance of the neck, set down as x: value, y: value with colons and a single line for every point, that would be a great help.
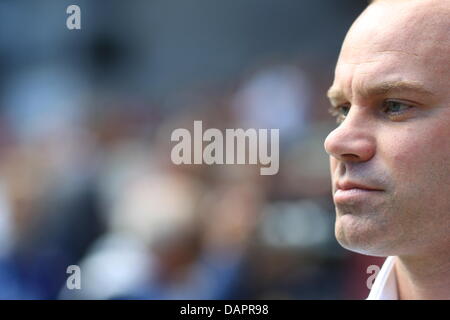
x: 424, y: 277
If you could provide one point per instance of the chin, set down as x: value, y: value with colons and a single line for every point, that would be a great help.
x: 362, y: 235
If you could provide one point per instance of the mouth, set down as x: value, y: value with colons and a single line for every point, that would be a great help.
x: 348, y: 191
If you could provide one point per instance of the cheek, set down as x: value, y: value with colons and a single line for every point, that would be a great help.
x: 412, y: 148
x: 418, y: 161
x: 420, y: 167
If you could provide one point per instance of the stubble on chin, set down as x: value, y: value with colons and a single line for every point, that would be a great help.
x: 365, y: 230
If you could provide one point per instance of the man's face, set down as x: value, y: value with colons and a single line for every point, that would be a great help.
x: 390, y: 155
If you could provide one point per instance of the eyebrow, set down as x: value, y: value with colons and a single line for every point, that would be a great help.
x: 337, y: 95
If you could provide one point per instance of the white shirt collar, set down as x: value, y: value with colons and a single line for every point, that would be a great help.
x: 385, y: 285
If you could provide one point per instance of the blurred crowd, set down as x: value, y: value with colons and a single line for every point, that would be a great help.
x: 85, y: 172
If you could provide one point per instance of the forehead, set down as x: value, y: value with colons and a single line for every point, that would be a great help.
x: 397, y: 40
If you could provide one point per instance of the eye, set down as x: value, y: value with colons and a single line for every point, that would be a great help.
x: 394, y: 108
x: 340, y: 112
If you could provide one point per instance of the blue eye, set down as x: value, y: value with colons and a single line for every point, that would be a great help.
x: 340, y: 112
x: 344, y: 110
x: 395, y: 107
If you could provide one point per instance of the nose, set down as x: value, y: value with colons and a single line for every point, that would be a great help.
x: 353, y: 140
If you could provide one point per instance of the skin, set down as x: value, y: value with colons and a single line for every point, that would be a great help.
x: 391, y: 93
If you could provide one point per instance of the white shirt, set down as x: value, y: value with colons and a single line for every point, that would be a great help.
x: 385, y: 284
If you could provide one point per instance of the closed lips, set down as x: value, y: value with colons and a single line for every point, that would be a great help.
x: 348, y: 185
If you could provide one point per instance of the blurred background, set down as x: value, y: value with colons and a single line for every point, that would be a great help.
x: 85, y: 172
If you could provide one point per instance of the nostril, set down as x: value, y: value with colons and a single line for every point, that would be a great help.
x: 350, y: 156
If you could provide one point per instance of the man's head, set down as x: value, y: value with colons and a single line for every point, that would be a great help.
x: 390, y: 155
